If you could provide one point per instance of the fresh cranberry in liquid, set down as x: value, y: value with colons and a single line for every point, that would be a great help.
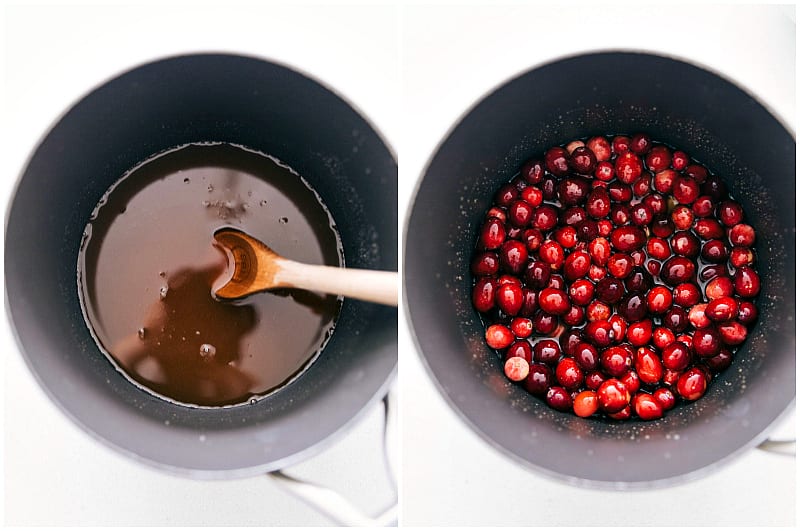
x: 742, y: 256
x: 721, y: 361
x: 533, y: 171
x: 600, y: 333
x: 640, y: 143
x: 677, y: 270
x: 552, y: 254
x: 632, y: 307
x: 648, y: 366
x: 604, y: 171
x: 485, y: 263
x: 615, y: 361
x: 730, y: 213
x: 692, y: 384
x: 493, y: 234
x: 714, y: 251
x: 665, y: 397
x: 539, y: 379
x: 577, y: 265
x: 582, y: 160
x: 627, y: 239
x: 719, y: 285
x: 682, y: 217
x: 685, y: 190
x: 509, y: 299
x: 513, y: 256
x: 613, y: 395
x: 686, y: 294
x: 483, y: 294
x: 499, y: 336
x: 715, y: 187
x: 676, y: 319
x: 703, y: 207
x: 658, y: 159
x: 520, y: 349
x: 676, y: 356
x: 748, y: 313
x: 598, y: 311
x: 722, y: 309
x: 746, y: 282
x: 732, y: 333
x: 647, y: 407
x: 639, y: 280
x: 544, y: 323
x: 659, y: 300
x: 708, y: 229
x: 680, y: 160
x: 559, y: 398
x: 600, y: 147
x: 555, y: 160
x: 640, y: 333
x: 620, y: 144
x: 585, y: 403
x: 569, y: 374
x: 546, y: 351
x: 706, y: 342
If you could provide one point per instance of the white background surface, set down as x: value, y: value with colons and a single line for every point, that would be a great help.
x: 54, y: 473
x: 413, y: 90
x: 451, y: 58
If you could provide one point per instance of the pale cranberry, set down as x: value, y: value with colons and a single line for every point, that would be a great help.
x: 732, y: 332
x: 499, y: 336
x: 516, y: 369
x: 598, y: 311
x: 585, y: 403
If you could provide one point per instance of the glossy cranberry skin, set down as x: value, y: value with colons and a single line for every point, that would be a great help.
x: 594, y: 379
x: 613, y: 395
x: 610, y: 290
x: 620, y: 214
x: 600, y: 147
x: 615, y: 361
x: 664, y: 180
x: 483, y: 294
x: 640, y: 332
x: 628, y: 167
x: 677, y: 270
x: 544, y: 323
x: 641, y: 186
x: 627, y: 239
x: 640, y: 143
x: 722, y: 309
x: 556, y: 282
x: 718, y: 286
x: 566, y: 236
x: 708, y: 229
x: 641, y: 214
x: 559, y: 398
x: 598, y: 203
x: 748, y: 313
x: 552, y: 254
x: 533, y: 239
x: 600, y: 250
x: 586, y: 230
x: 647, y: 407
x: 604, y: 171
x: 706, y: 342
x: 631, y: 381
x: 505, y: 195
x: 684, y: 243
x: 533, y: 171
x: 509, y: 298
x: 585, y: 404
x: 553, y: 301
x: 648, y: 366
x: 499, y: 336
x: 493, y: 234
x: 682, y: 217
x: 686, y: 294
x: 600, y: 333
x: 730, y: 213
x: 658, y: 159
x: 573, y: 191
x: 522, y: 327
x: 721, y: 361
x: 664, y: 397
x: 577, y: 265
x: 586, y: 356
x: 620, y: 192
x: 703, y: 207
x: 598, y: 311
x: 513, y: 256
x: 676, y: 356
x: 537, y: 274
x: 619, y: 326
x: 742, y: 256
x: 539, y: 379
x: 569, y: 374
x: 545, y: 218
x: 714, y: 251
x: 620, y: 144
x: 685, y: 190
x: 485, y: 263
x: 596, y: 273
x: 732, y: 333
x: 548, y: 187
x: 692, y: 384
x: 546, y: 351
x: 520, y: 349
x: 582, y: 160
x: 680, y: 160
x: 555, y: 160
x: 620, y: 265
x: 658, y: 248
x: 639, y: 280
x: 632, y: 307
x: 659, y: 300
x: 676, y: 319
x: 742, y: 235
x: 746, y: 282
x: 569, y: 340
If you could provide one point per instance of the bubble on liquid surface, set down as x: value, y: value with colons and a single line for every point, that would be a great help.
x: 283, y: 221
x: 263, y: 202
x: 253, y: 400
x: 162, y: 293
x: 141, y: 333
x: 207, y: 350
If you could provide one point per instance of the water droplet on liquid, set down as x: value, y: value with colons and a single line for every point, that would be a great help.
x: 263, y: 202
x: 283, y: 221
x: 186, y: 180
x: 207, y: 350
x: 162, y: 293
x: 210, y: 188
x: 253, y: 400
x: 141, y: 332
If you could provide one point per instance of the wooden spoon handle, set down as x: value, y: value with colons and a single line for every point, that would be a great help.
x: 362, y: 284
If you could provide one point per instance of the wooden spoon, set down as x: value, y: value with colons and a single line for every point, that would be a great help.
x: 257, y: 268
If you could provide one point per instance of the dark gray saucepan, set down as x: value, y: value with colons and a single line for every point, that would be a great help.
x: 675, y: 102
x: 160, y: 105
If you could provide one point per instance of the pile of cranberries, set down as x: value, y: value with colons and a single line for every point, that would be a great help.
x: 616, y: 277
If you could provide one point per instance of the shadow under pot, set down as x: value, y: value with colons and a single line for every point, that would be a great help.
x: 673, y: 102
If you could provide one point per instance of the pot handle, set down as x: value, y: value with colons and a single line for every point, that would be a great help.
x: 335, y: 506
x: 779, y: 446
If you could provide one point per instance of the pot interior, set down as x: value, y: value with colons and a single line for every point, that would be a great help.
x: 155, y: 107
x: 606, y: 93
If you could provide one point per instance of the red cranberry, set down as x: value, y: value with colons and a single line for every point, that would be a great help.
x: 658, y: 159
x: 620, y: 144
x: 748, y: 313
x: 664, y: 180
x: 677, y: 270
x: 697, y: 172
x: 627, y: 239
x: 520, y: 213
x: 604, y: 171
x: 493, y: 234
x: 577, y: 265
x: 583, y: 160
x: 594, y: 379
x: 619, y: 192
x: 483, y: 294
x: 585, y: 404
x: 620, y: 214
x: 555, y: 159
x: 559, y: 398
x: 533, y: 171
x: 613, y: 395
x: 648, y: 366
x: 746, y: 282
x: 715, y: 187
x: 714, y: 251
x: 569, y: 340
x: 556, y: 282
x: 545, y: 218
x: 516, y: 369
x: 544, y: 323
x: 657, y: 203
x: 628, y: 167
x: 610, y: 290
x: 742, y: 234
x: 553, y: 301
x: 708, y: 229
x: 647, y: 407
x: 552, y: 254
x: 539, y: 379
x: 730, y: 213
x: 675, y: 356
x: 638, y: 280
x: 598, y: 203
x: 615, y: 361
x: 519, y: 349
x: 619, y: 326
x: 659, y: 300
x: 600, y: 251
x: 698, y: 317
x: 586, y: 356
x: 658, y: 248
x: 573, y: 191
x: 546, y: 351
x: 509, y: 298
x: 632, y: 307
x: 641, y: 185
x: 719, y: 286
x: 566, y: 236
x: 692, y: 384
x: 662, y: 227
x: 598, y: 311
x: 722, y: 309
x: 569, y: 374
x: 586, y: 230
x: 732, y: 332
x: 631, y: 381
x: 513, y: 256
x: 600, y: 333
x: 623, y: 414
x: 600, y: 147
x: 499, y: 336
x: 639, y: 333
x: 685, y: 190
x: 676, y: 319
x: 706, y: 342
x: 576, y: 316
x: 671, y: 377
x: 522, y: 327
x: 485, y: 263
x: 653, y: 267
x: 742, y: 256
x: 721, y: 361
x: 506, y: 195
x: 596, y: 273
x: 679, y: 160
x: 682, y: 217
x: 532, y: 195
x: 703, y: 207
x: 620, y: 265
x: 548, y: 187
x: 537, y: 274
x: 640, y: 143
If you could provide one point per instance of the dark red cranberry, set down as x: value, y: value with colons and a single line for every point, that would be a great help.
x: 684, y: 243
x: 628, y: 167
x: 582, y: 160
x: 703, y: 207
x: 676, y: 319
x: 533, y: 171
x: 665, y: 397
x: 519, y: 349
x: 546, y: 351
x: 632, y: 307
x: 613, y: 395
x: 485, y: 263
x: 506, y: 195
x: 573, y: 191
x: 483, y: 294
x: 600, y: 333
x: 659, y: 300
x: 586, y: 230
x: 627, y: 239
x: 675, y: 356
x: 715, y: 187
x: 520, y: 213
x: 686, y: 294
x: 708, y: 229
x: 575, y: 316
x: 748, y: 313
x: 548, y: 187
x: 513, y: 256
x: 657, y: 203
x: 730, y: 213
x: 732, y: 333
x: 559, y: 398
x: 610, y: 290
x: 640, y: 143
x: 604, y: 171
x: 620, y: 265
x: 653, y: 267
x: 680, y: 160
x: 545, y: 218
x: 641, y: 186
x: 639, y: 333
x: 555, y: 160
x: 706, y: 342
x: 594, y: 379
x: 662, y: 228
x: 697, y: 172
x: 692, y: 384
x: 586, y: 356
x: 577, y: 265
x: 620, y: 214
x: 714, y: 251
x: 620, y: 144
x: 641, y: 214
x: 639, y: 280
x: 499, y: 336
x: 746, y: 282
x: 722, y: 309
x: 664, y: 180
x: 544, y: 323
x: 721, y: 361
x: 573, y: 215
x: 647, y: 407
x: 677, y: 270
x: 615, y: 361
x: 658, y: 159
x: 537, y: 274
x: 552, y: 254
x: 556, y: 282
x: 539, y: 379
x: 619, y: 192
x: 600, y: 147
x: 598, y: 203
x: 600, y: 251
x: 509, y: 298
x: 569, y: 374
x: 569, y: 340
x: 685, y: 190
x: 493, y: 234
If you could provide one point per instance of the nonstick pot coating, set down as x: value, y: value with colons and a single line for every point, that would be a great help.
x: 195, y: 98
x: 677, y: 103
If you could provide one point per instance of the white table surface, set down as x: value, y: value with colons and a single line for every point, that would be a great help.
x: 450, y: 59
x: 54, y: 473
x: 413, y: 71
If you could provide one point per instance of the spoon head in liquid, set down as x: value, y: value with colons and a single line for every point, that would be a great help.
x: 251, y: 265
